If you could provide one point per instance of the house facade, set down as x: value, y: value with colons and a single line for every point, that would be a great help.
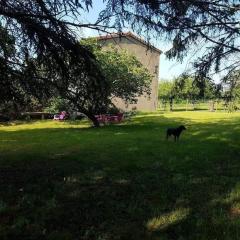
x: 148, y: 55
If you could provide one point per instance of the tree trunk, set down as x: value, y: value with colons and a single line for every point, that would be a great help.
x: 89, y: 115
x: 164, y: 105
x: 171, y: 104
x: 193, y: 104
x: 92, y: 118
x: 187, y: 105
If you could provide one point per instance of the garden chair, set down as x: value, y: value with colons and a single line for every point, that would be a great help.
x: 62, y: 116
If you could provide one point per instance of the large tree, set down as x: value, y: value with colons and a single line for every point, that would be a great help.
x: 48, y: 25
x: 127, y: 78
x: 212, y: 25
x: 47, y: 31
x: 185, y: 87
x: 232, y: 86
x: 50, y: 60
x: 11, y: 90
x: 46, y: 49
x: 124, y: 77
x: 166, y: 92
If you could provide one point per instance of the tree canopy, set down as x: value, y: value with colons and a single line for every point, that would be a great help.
x: 44, y: 33
x: 232, y: 86
x: 124, y: 77
x: 47, y: 53
x: 185, y: 87
x: 48, y: 27
x: 187, y: 24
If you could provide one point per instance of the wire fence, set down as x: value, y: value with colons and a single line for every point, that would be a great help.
x: 199, y: 105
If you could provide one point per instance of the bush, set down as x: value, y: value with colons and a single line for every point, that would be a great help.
x: 232, y: 106
x: 57, y: 104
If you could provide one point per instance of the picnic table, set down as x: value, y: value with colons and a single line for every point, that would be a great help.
x: 37, y: 115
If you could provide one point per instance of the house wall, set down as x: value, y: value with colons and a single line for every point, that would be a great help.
x: 150, y: 59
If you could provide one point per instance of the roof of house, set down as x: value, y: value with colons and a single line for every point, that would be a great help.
x: 129, y: 35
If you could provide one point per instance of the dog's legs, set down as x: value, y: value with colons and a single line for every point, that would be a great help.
x: 167, y: 135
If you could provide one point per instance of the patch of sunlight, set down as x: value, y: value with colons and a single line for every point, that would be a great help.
x: 235, y: 210
x: 99, y: 175
x: 213, y: 137
x: 133, y: 149
x: 148, y: 114
x: 122, y: 181
x: 196, y: 133
x: 57, y: 155
x: 202, y: 117
x: 71, y: 179
x: 133, y: 122
x: 233, y: 199
x: 234, y: 195
x: 98, y: 178
x: 165, y: 220
x: 120, y: 133
x: 42, y: 124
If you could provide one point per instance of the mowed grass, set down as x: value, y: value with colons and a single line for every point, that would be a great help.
x: 66, y: 180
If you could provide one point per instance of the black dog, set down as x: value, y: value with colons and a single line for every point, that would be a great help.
x: 175, y: 132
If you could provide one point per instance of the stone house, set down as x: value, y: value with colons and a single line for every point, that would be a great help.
x: 148, y: 55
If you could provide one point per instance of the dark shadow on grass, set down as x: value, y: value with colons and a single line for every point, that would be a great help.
x: 92, y: 183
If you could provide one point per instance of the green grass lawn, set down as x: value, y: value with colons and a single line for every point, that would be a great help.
x: 67, y: 181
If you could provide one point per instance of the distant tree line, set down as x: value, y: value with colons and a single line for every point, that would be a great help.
x: 185, y: 88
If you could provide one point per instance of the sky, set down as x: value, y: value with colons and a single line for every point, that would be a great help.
x: 168, y: 69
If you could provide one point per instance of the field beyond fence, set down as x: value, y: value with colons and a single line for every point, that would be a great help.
x: 209, y: 105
